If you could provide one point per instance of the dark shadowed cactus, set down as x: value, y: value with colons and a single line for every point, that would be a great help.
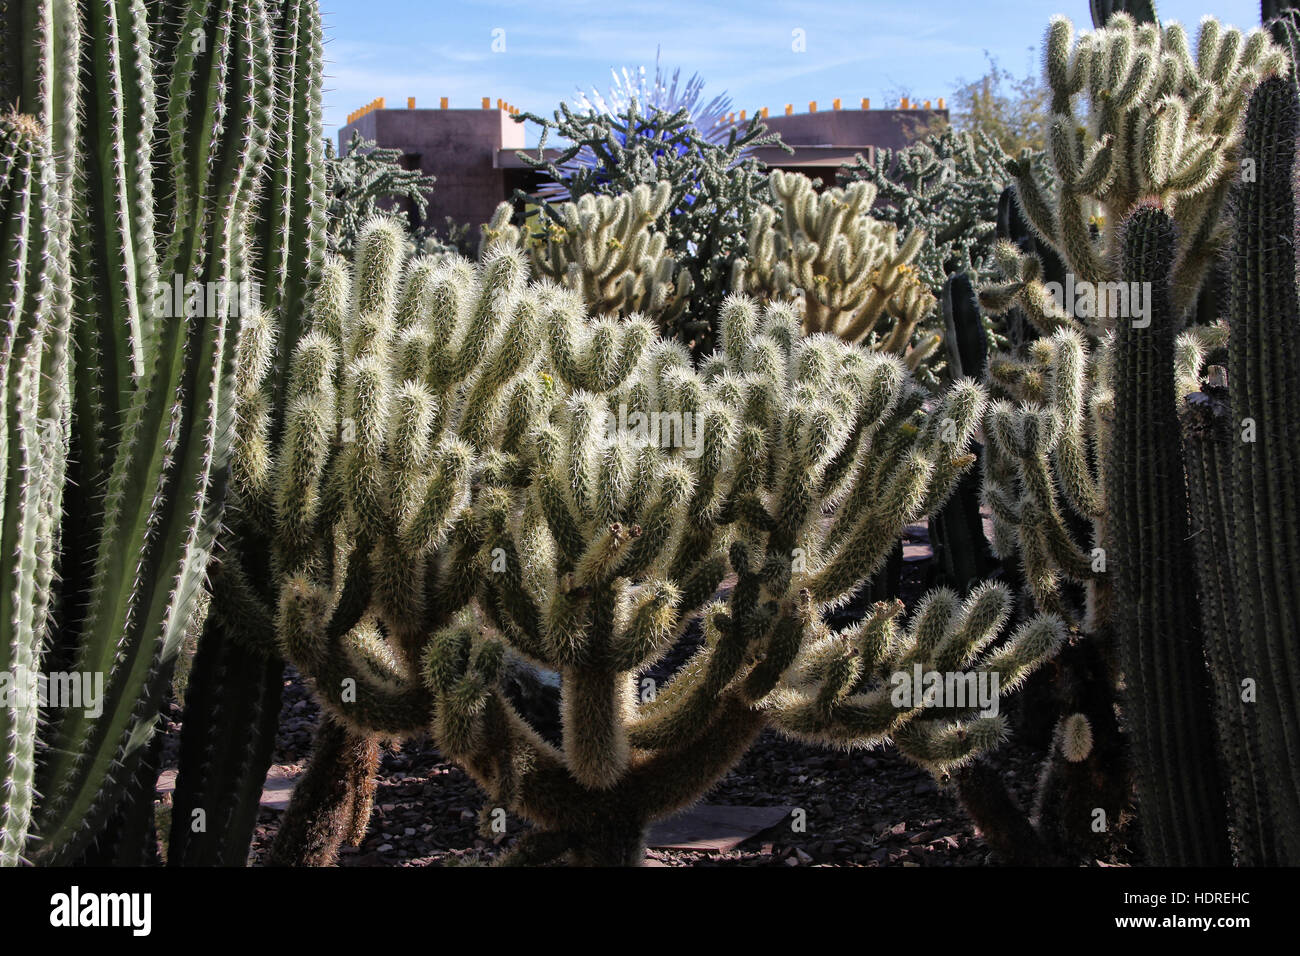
x: 1143, y: 11
x: 1158, y: 624
x: 1264, y: 355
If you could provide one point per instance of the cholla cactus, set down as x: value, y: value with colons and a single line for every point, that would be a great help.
x: 607, y: 250
x: 1162, y: 122
x: 948, y: 186
x: 1040, y: 470
x: 578, y: 505
x: 847, y: 269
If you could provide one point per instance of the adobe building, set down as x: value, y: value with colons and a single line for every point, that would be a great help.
x: 473, y: 153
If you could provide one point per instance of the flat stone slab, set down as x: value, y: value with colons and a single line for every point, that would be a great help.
x: 275, y: 793
x: 714, y: 829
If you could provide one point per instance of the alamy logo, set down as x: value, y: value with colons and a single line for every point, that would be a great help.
x: 20, y: 688
x: 657, y: 429
x: 961, y: 689
x: 205, y: 300
x: 1114, y: 300
x: 76, y: 909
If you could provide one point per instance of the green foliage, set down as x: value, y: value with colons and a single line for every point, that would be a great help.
x: 362, y: 181
x: 716, y: 190
x: 1005, y: 109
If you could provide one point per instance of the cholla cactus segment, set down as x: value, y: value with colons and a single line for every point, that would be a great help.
x: 606, y: 249
x: 1162, y: 121
x: 1074, y: 737
x: 847, y: 269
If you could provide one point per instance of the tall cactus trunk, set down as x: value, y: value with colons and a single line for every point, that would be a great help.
x: 1166, y: 703
x: 1264, y: 356
x: 1208, y: 439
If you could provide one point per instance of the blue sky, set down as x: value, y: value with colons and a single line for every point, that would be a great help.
x: 430, y: 48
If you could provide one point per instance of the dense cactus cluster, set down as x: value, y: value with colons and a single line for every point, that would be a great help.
x: 848, y: 269
x: 946, y: 186
x: 1162, y: 120
x: 493, y: 502
x: 607, y: 250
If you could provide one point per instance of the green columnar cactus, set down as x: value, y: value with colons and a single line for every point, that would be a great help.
x: 1167, y: 711
x: 234, y: 689
x: 846, y: 268
x: 1142, y: 11
x: 1161, y: 121
x: 607, y: 250
x: 1264, y: 351
x: 151, y: 422
x: 1208, y: 437
x: 34, y: 398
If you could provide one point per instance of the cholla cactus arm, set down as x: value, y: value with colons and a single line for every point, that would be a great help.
x: 856, y: 688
